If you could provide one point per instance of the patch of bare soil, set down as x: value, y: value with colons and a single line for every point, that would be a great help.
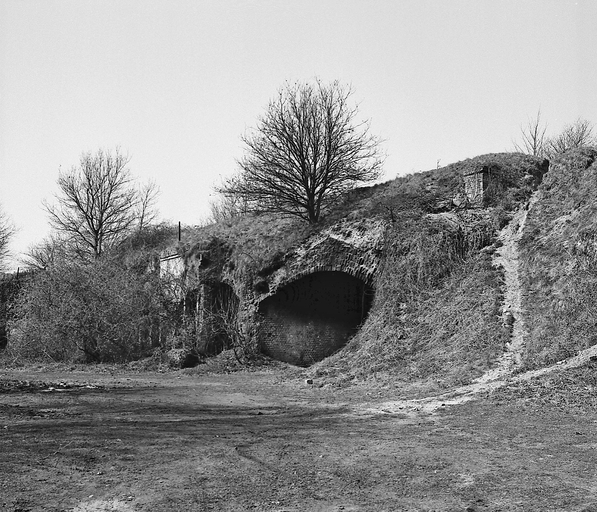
x: 507, y: 257
x: 261, y: 441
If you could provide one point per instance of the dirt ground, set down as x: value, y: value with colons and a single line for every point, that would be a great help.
x: 266, y: 441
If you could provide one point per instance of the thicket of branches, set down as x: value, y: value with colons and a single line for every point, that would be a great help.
x: 535, y: 141
x: 86, y: 311
x: 110, y: 308
x: 99, y: 203
x: 89, y: 295
x: 307, y: 149
x: 6, y: 233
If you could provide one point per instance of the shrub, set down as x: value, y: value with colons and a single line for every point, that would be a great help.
x: 92, y: 311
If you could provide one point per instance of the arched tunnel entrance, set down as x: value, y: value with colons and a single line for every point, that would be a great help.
x: 312, y: 317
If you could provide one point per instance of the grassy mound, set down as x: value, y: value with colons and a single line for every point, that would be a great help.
x: 559, y: 261
x: 435, y: 318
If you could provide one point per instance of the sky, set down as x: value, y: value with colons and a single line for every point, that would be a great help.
x: 175, y: 84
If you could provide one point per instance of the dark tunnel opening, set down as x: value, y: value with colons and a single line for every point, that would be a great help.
x: 213, y: 309
x: 313, y: 317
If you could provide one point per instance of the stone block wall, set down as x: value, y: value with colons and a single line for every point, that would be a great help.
x: 475, y: 184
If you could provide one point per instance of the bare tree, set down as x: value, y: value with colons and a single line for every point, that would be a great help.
x: 533, y: 140
x: 306, y: 150
x: 46, y: 253
x: 575, y: 135
x: 224, y: 208
x: 99, y: 203
x: 146, y: 211
x: 7, y: 231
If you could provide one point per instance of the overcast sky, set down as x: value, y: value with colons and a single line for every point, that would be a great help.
x: 175, y: 83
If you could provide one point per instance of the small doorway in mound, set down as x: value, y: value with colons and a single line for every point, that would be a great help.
x: 212, y: 309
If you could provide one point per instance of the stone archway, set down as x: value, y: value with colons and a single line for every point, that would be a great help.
x: 313, y: 316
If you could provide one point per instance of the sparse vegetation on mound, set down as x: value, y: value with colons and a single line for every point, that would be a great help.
x: 254, y: 241
x: 257, y: 240
x: 436, y: 318
x: 436, y: 313
x: 559, y: 260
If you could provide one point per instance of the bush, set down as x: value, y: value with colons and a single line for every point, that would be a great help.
x: 91, y: 311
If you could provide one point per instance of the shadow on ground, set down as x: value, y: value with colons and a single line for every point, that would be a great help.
x: 215, y: 444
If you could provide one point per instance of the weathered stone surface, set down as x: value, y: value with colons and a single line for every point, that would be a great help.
x: 475, y: 184
x: 353, y: 247
x: 299, y: 330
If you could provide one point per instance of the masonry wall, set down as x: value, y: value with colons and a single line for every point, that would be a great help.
x: 311, y: 318
x: 353, y: 247
x: 474, y: 186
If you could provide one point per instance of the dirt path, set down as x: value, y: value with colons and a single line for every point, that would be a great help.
x: 507, y: 257
x: 470, y: 392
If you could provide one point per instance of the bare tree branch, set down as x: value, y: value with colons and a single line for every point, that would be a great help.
x: 46, y: 254
x: 146, y: 212
x: 533, y: 140
x: 224, y: 208
x: 98, y: 203
x: 306, y: 150
x: 7, y: 231
x: 575, y: 135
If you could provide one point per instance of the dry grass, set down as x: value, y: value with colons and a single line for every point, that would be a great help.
x: 258, y: 240
x: 253, y: 241
x: 572, y: 390
x: 435, y: 318
x: 446, y: 335
x: 559, y: 261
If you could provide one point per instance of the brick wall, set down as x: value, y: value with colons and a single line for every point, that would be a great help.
x: 313, y: 317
